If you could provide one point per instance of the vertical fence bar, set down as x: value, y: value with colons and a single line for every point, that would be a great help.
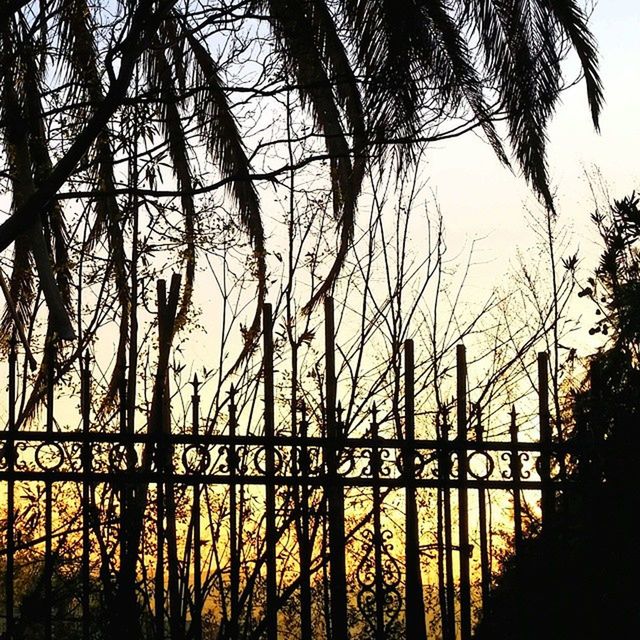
x: 159, y: 576
x: 86, y: 495
x: 485, y: 562
x: 234, y: 578
x: 196, y: 619
x: 270, y: 489
x: 463, y: 505
x: 157, y: 430
x: 306, y: 629
x: 440, y: 557
x: 415, y: 623
x: 48, y: 516
x: 335, y: 491
x: 176, y: 619
x: 515, y: 477
x: 126, y: 579
x: 444, y: 474
x: 376, y: 459
x: 10, y: 444
x: 548, y: 498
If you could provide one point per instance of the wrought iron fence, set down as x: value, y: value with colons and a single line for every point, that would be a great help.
x: 337, y: 546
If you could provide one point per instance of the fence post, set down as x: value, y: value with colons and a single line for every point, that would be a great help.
x: 375, y: 461
x: 10, y: 444
x: 86, y: 493
x: 415, y: 624
x: 157, y: 427
x: 547, y: 502
x: 463, y: 506
x: 48, y: 515
x: 270, y: 489
x: 128, y: 554
x: 306, y: 628
x: 234, y: 578
x: 161, y: 423
x: 446, y: 544
x: 196, y: 620
x: 335, y: 492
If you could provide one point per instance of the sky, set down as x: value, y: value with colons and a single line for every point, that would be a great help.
x: 482, y: 201
x: 479, y: 198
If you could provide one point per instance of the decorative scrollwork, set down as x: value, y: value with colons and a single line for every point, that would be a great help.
x: 196, y: 458
x: 18, y: 463
x: 369, y: 469
x: 515, y: 458
x: 523, y: 457
x: 75, y: 459
x: 49, y: 456
x: 347, y: 461
x: 476, y: 460
x: 121, y: 456
x: 507, y: 474
x: 260, y: 460
x: 384, y: 467
x: 379, y: 577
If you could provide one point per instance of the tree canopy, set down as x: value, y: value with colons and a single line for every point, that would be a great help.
x: 576, y: 579
x: 374, y: 78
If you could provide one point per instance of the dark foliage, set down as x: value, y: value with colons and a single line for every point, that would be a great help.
x: 577, y: 578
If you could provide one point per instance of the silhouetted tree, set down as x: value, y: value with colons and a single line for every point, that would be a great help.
x: 576, y: 578
x: 373, y: 75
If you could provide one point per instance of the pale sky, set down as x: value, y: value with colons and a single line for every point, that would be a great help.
x: 478, y: 196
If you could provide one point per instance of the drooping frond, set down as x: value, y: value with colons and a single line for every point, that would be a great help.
x: 19, y: 92
x: 450, y: 58
x: 225, y: 146
x: 21, y: 280
x: 573, y: 21
x: 55, y: 225
x: 80, y: 55
x: 21, y: 287
x: 314, y: 56
x: 522, y: 44
x: 416, y: 53
x: 520, y: 47
x: 160, y: 78
x: 223, y: 139
x: 344, y: 83
x: 384, y: 34
x: 75, y: 35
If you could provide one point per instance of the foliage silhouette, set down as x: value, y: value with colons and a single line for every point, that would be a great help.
x: 576, y: 578
x: 374, y: 75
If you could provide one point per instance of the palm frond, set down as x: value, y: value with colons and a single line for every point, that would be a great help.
x: 79, y: 51
x: 223, y: 139
x: 313, y: 54
x: 520, y: 50
x: 345, y: 84
x: 225, y: 146
x: 573, y: 21
x: 18, y: 122
x: 449, y: 59
x: 160, y: 78
x: 21, y: 287
x: 384, y: 34
x: 42, y: 167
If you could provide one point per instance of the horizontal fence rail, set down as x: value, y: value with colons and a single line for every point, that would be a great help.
x: 275, y: 535
x: 203, y: 459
